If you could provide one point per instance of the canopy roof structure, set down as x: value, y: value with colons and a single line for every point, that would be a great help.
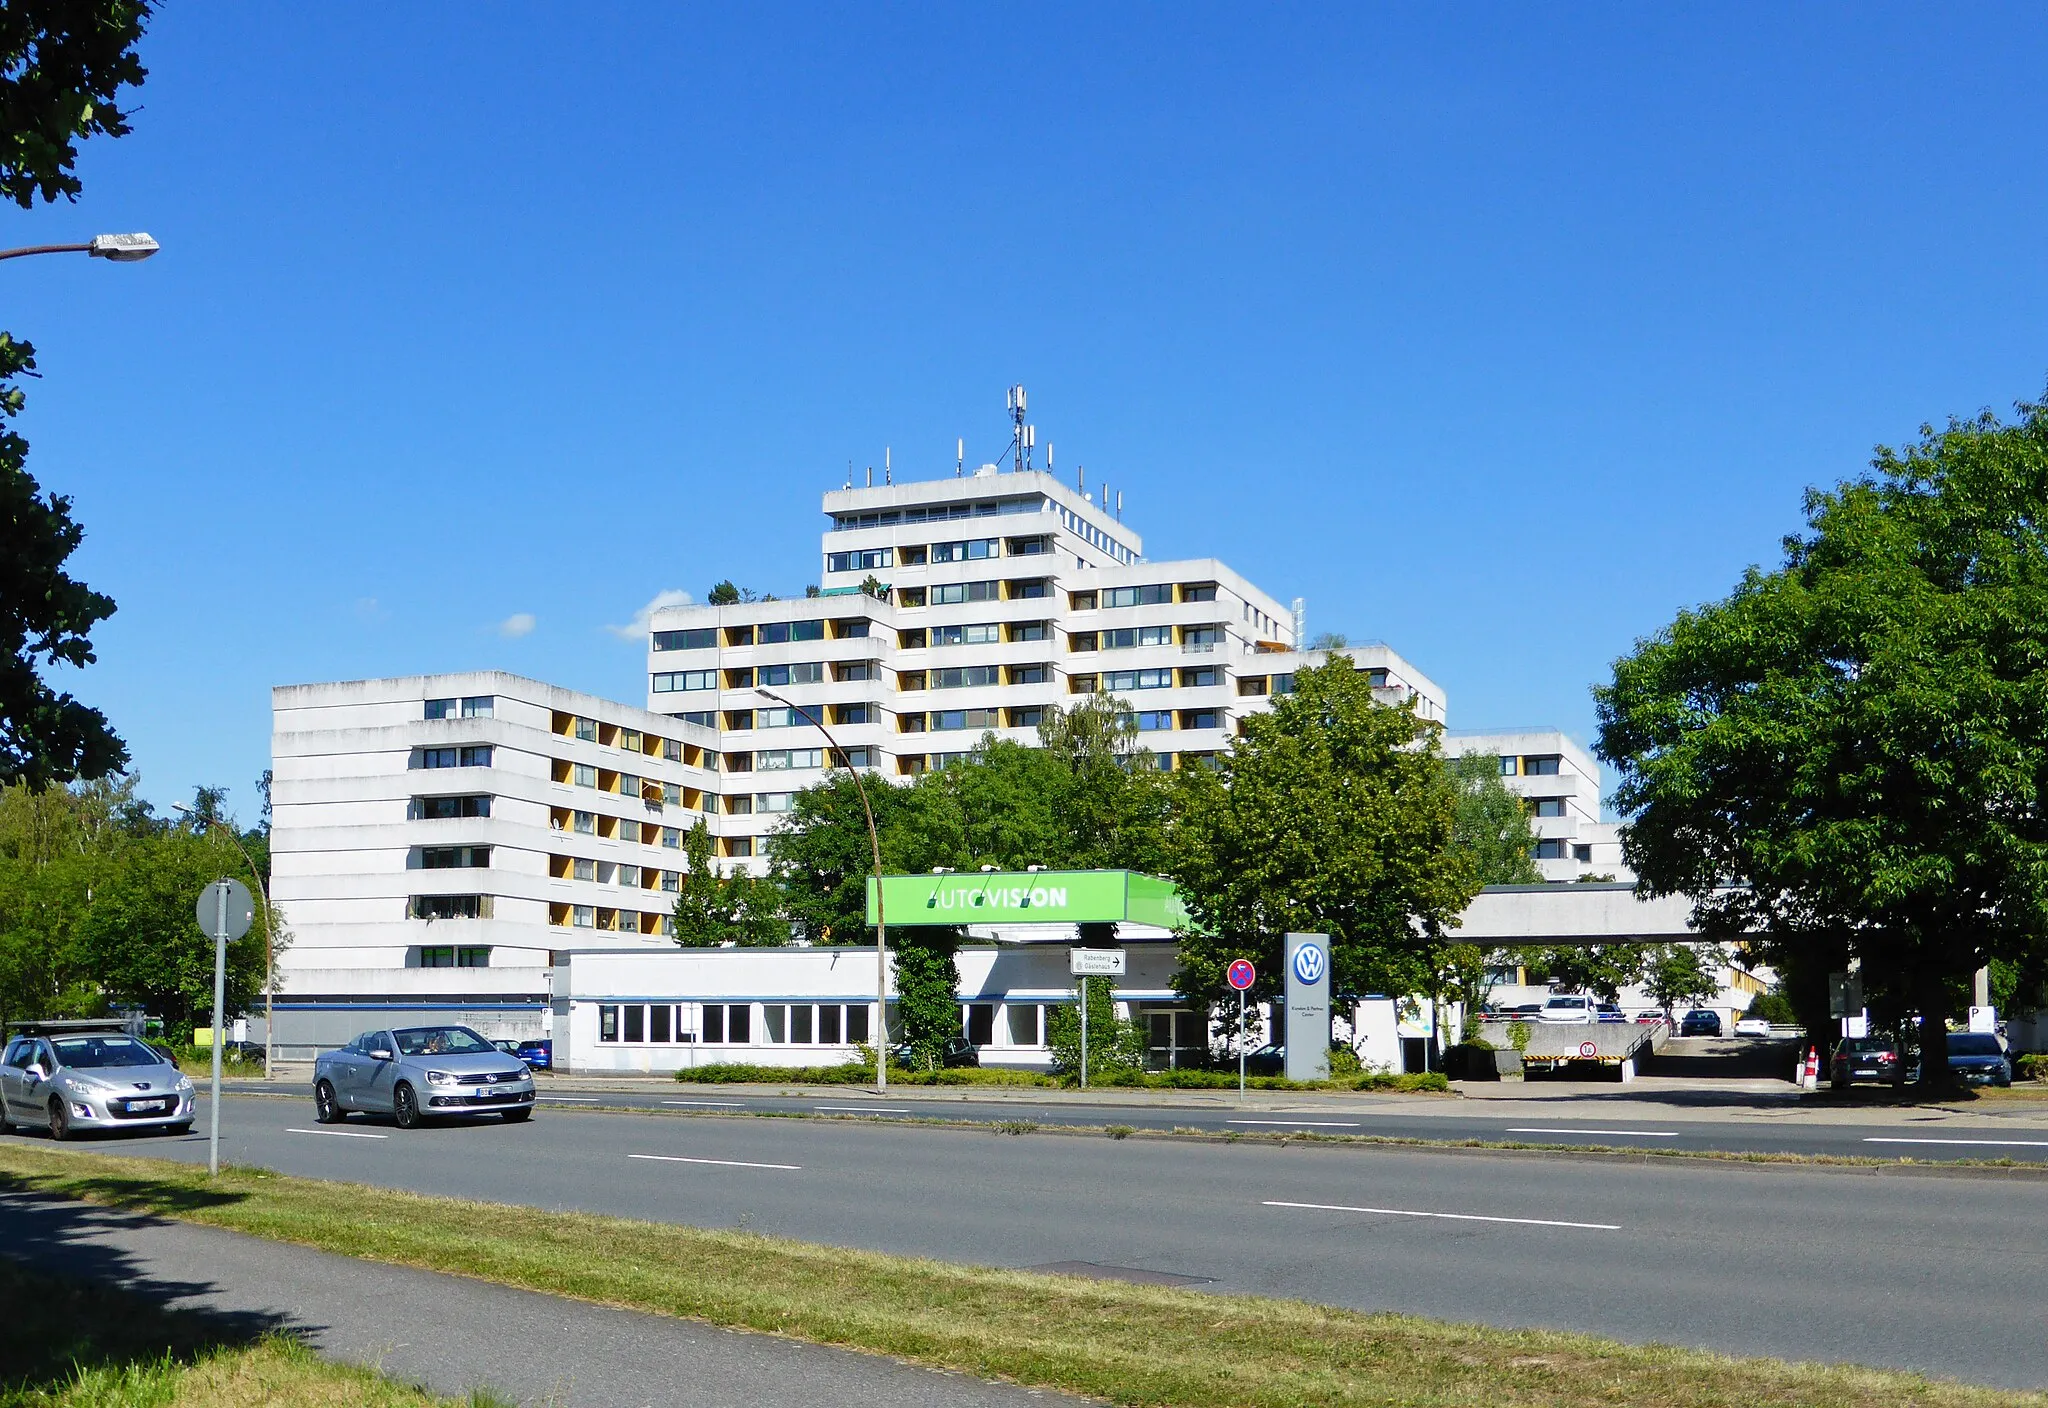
x: 1030, y: 897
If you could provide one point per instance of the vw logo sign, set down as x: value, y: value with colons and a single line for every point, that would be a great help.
x: 1310, y: 963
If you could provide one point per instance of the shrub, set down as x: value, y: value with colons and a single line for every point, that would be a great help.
x: 1344, y: 1062
x: 2033, y: 1066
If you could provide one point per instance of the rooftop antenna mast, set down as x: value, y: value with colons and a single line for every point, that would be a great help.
x: 960, y: 457
x: 1024, y: 435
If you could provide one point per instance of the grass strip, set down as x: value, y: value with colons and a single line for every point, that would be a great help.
x: 862, y: 1073
x: 1130, y: 1344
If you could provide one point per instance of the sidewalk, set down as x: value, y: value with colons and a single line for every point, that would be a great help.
x: 453, y: 1334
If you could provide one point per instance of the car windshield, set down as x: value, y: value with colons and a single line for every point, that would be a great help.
x: 1974, y: 1044
x: 441, y: 1041
x: 1574, y: 1002
x: 1866, y: 1043
x: 1700, y: 1012
x: 84, y: 1053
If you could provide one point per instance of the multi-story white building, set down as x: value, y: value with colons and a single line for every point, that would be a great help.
x: 476, y: 821
x: 955, y: 607
x: 1560, y: 781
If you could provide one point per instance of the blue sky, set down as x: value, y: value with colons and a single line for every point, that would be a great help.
x: 1498, y: 333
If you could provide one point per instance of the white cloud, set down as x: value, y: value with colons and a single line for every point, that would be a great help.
x: 643, y: 619
x: 519, y: 623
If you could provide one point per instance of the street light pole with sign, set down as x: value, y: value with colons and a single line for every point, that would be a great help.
x: 1084, y: 963
x: 224, y: 912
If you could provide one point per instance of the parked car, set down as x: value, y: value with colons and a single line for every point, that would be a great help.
x: 1609, y: 1012
x: 1978, y: 1058
x: 1568, y: 1008
x: 417, y: 1073
x: 1866, y: 1058
x: 957, y: 1051
x: 1653, y: 1015
x: 1752, y: 1026
x: 540, y: 1055
x: 72, y: 1076
x: 1701, y: 1021
x: 1266, y: 1061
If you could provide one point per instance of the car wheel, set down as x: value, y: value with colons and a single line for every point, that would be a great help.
x: 60, y: 1119
x: 325, y: 1110
x: 405, y: 1107
x: 182, y: 1128
x: 519, y: 1116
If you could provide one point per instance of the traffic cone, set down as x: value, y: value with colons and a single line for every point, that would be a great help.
x: 1809, y: 1075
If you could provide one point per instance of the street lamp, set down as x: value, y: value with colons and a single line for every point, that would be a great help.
x: 269, y: 946
x: 881, y: 920
x: 118, y: 249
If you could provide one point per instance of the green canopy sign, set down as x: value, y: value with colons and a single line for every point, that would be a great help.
x: 1031, y: 897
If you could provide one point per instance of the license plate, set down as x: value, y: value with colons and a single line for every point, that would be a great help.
x: 1866, y: 1070
x: 487, y: 1093
x: 146, y: 1106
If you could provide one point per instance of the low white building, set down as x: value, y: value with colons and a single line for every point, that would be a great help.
x: 1560, y: 782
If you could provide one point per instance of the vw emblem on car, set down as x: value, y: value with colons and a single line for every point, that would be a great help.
x: 1310, y: 963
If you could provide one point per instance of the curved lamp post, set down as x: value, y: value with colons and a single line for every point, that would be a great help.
x: 118, y: 249
x: 881, y: 920
x: 269, y: 944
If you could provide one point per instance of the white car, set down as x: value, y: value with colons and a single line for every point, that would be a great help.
x: 1752, y: 1026
x: 1570, y: 1007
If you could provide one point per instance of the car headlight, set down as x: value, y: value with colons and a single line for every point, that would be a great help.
x: 184, y: 1086
x: 439, y: 1078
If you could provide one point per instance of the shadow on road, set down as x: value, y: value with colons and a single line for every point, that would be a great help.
x: 72, y: 1305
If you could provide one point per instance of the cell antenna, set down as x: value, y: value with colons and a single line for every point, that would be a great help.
x: 1017, y: 420
x: 1119, y: 505
x: 888, y: 475
x: 960, y: 457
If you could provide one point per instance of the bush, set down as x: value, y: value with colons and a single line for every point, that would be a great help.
x: 1344, y: 1062
x: 1122, y: 1077
x: 2033, y: 1066
x: 1773, y: 1007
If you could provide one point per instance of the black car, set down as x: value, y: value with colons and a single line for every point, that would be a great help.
x: 1977, y: 1058
x: 1266, y: 1061
x: 1866, y: 1058
x: 957, y: 1051
x: 1701, y: 1021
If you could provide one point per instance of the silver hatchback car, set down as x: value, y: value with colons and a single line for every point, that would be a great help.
x: 73, y: 1076
x: 416, y: 1073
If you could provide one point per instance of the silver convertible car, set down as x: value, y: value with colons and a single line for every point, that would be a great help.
x: 73, y: 1076
x: 416, y: 1073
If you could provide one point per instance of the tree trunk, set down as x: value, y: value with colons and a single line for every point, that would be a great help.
x: 1934, y: 1000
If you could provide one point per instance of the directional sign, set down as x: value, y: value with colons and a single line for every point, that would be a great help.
x: 1096, y: 962
x: 238, y: 915
x: 1242, y: 975
x: 1308, y: 1006
x: 1589, y: 1048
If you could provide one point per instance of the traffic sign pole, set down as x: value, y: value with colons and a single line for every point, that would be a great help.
x: 220, y: 997
x: 1240, y: 1046
x: 1084, y: 1031
x: 1241, y: 975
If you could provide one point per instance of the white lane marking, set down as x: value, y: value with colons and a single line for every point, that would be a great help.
x: 719, y: 1104
x: 865, y: 1109
x: 1453, y: 1216
x: 1302, y: 1124
x: 1998, y: 1143
x: 727, y: 1163
x: 570, y: 1099
x: 341, y: 1133
x: 1638, y: 1133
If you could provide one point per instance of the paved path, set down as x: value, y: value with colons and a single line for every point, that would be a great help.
x: 453, y: 1334
x: 1931, y: 1271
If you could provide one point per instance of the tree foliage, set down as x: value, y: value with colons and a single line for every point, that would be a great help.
x: 63, y: 66
x: 1335, y: 814
x: 715, y: 911
x: 1492, y: 824
x: 1848, y: 755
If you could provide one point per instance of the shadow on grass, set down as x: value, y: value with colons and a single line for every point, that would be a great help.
x: 128, y: 1194
x: 97, y: 1313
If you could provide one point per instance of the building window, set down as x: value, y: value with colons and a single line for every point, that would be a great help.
x: 478, y: 706
x: 1153, y: 595
x: 672, y: 837
x: 1205, y: 675
x: 583, y: 775
x: 450, y: 907
x: 774, y: 801
x: 739, y: 847
x: 1547, y: 806
x: 1029, y: 630
x: 671, y: 881
x: 1198, y: 591
x: 586, y: 823
x: 981, y: 1023
x: 854, y: 671
x: 1283, y: 684
x: 778, y: 759
x: 1541, y: 767
x: 739, y: 806
x: 862, y: 757
x: 1029, y: 589
x: 686, y: 640
x: 972, y: 550
x: 850, y: 628
x: 586, y: 730
x: 1550, y: 850
x: 987, y: 634
x: 1026, y: 1021
x: 777, y: 632
x: 1201, y: 718
x: 583, y: 868
x: 853, y: 714
x: 1201, y: 637
x: 680, y: 680
x: 583, y: 916
x: 450, y: 808
x: 440, y: 708
x: 951, y: 719
x: 1121, y: 681
x: 1030, y: 717
x: 1028, y: 674
x: 659, y: 1020
x: 803, y: 672
x: 1582, y: 854
x: 1151, y: 720
x: 1131, y: 636
x: 954, y: 593
x: 635, y: 1024
x: 608, y: 1022
x: 474, y: 756
x: 1083, y: 640
x: 454, y: 857
x: 965, y: 676
x: 864, y: 561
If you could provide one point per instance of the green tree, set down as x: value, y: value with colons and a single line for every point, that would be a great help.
x: 927, y: 990
x: 1680, y: 975
x: 723, y: 594
x: 63, y: 66
x: 1115, y: 1046
x: 1601, y: 969
x: 1492, y: 824
x: 714, y: 910
x: 144, y: 944
x: 1848, y: 756
x: 1333, y: 814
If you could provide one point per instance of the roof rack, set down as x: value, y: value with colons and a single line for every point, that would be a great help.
x: 131, y: 1024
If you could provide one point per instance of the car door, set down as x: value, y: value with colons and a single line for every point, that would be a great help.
x: 345, y: 1072
x: 11, y: 1078
x: 32, y: 1092
x: 378, y: 1078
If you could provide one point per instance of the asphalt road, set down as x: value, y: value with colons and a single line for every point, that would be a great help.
x: 2022, y: 1136
x: 1934, y: 1272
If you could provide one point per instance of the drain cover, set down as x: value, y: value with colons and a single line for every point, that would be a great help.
x: 1097, y: 1272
